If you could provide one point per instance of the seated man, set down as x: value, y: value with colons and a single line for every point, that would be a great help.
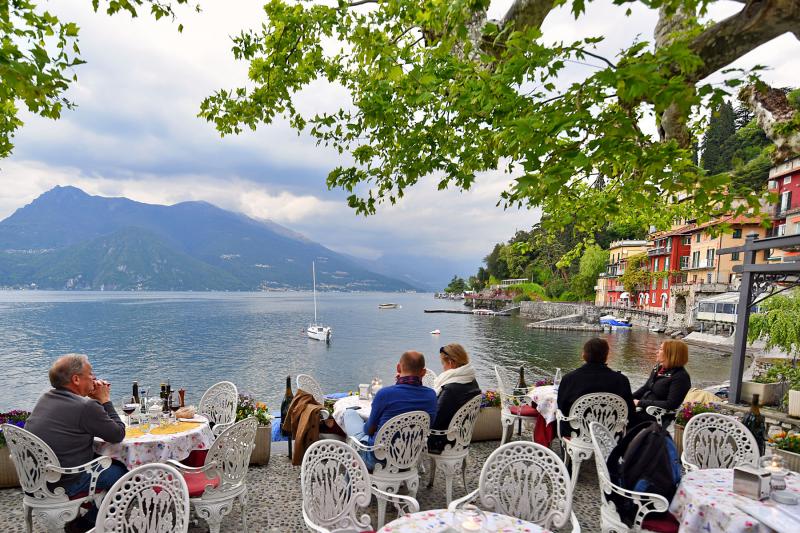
x: 406, y: 395
x: 593, y: 376
x: 70, y: 416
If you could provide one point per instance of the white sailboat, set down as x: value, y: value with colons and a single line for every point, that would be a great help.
x: 316, y: 331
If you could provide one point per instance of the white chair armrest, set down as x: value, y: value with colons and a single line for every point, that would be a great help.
x: 358, y: 445
x: 94, y: 468
x: 645, y: 502
x: 403, y: 504
x: 442, y: 432
x: 576, y: 526
x: 219, y: 428
x: 689, y: 467
x: 455, y: 504
x: 211, y: 469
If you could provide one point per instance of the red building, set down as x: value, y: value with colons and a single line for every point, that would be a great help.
x: 668, y: 252
x: 784, y: 180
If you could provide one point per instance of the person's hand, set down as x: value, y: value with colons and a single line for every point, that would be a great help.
x: 101, y: 392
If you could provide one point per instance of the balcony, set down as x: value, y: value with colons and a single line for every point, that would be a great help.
x: 662, y: 250
x: 701, y: 265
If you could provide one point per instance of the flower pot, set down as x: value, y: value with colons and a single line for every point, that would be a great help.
x: 769, y: 393
x: 487, y: 425
x: 8, y: 473
x: 260, y: 454
x: 794, y: 403
x: 679, y: 439
x: 791, y: 460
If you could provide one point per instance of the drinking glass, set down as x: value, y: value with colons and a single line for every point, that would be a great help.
x: 174, y: 405
x: 129, y: 406
x: 469, y: 519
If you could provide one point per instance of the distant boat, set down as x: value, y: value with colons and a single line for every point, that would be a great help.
x: 388, y: 306
x: 316, y: 331
x: 487, y: 312
x: 614, y: 322
x: 436, y: 332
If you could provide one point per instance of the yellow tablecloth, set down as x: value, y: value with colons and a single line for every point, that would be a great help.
x: 180, y: 427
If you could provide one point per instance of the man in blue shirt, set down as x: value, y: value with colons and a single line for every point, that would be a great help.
x: 406, y: 395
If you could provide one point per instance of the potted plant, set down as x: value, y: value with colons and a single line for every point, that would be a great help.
x: 487, y: 425
x: 8, y: 473
x: 788, y: 447
x: 247, y: 407
x: 771, y: 385
x: 684, y: 414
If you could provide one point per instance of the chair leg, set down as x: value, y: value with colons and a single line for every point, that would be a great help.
x: 507, y: 424
x: 433, y: 472
x: 243, y: 505
x: 390, y: 488
x: 464, y: 475
x: 28, y: 512
x: 576, y: 469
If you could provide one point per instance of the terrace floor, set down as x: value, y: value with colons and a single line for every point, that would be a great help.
x: 275, y: 500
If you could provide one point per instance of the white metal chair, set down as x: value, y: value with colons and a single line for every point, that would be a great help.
x: 454, y: 454
x: 603, y: 442
x: 512, y: 407
x: 528, y: 481
x: 608, y: 409
x: 335, y: 485
x: 661, y: 415
x: 152, y: 498
x: 713, y: 440
x: 218, y: 404
x: 37, y: 465
x: 311, y: 386
x: 429, y: 378
x: 398, y: 448
x: 215, y: 486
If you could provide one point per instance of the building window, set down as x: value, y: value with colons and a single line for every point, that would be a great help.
x: 697, y: 238
x: 773, y: 184
x: 653, y: 285
x: 708, y: 277
x: 787, y: 180
x: 694, y: 278
x: 665, y: 283
x: 695, y: 259
x: 737, y: 233
x: 666, y: 264
x: 781, y: 230
x: 710, y: 257
x: 796, y: 228
x: 684, y: 262
x: 735, y: 256
x: 686, y: 240
x: 786, y: 201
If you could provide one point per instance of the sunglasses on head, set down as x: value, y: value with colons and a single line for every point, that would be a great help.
x: 442, y: 350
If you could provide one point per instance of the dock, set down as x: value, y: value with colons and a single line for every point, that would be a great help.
x: 466, y: 312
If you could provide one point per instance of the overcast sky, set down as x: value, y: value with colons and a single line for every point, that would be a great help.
x: 136, y: 134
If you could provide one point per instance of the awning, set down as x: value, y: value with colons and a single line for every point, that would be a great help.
x: 624, y: 296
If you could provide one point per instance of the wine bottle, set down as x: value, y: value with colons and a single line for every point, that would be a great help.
x: 287, y: 400
x: 522, y: 387
x: 135, y: 394
x: 754, y: 421
x: 163, y: 392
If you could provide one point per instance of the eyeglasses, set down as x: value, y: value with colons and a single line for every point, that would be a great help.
x: 442, y: 350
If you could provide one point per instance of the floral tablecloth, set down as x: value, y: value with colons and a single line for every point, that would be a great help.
x: 138, y: 449
x: 705, y: 502
x: 442, y: 520
x: 545, y: 396
x: 351, y: 401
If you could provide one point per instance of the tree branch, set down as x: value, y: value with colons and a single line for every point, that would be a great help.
x: 357, y: 3
x: 527, y: 13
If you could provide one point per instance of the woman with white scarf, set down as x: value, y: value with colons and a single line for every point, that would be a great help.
x: 454, y: 387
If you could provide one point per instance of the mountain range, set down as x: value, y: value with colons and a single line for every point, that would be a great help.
x: 67, y: 239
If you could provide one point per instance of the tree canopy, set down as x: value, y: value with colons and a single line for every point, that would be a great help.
x: 38, y: 56
x: 776, y: 322
x: 439, y: 90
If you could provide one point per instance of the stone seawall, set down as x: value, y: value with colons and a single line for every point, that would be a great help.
x: 547, y: 310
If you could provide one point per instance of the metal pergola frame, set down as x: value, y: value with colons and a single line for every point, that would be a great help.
x: 756, y: 280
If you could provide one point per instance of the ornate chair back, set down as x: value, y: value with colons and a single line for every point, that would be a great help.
x: 713, y: 440
x: 32, y: 456
x: 218, y: 404
x: 231, y: 452
x: 311, y: 386
x: 335, y: 484
x: 529, y: 481
x: 609, y: 410
x: 152, y: 498
x: 429, y: 378
x: 459, y: 432
x: 400, y: 442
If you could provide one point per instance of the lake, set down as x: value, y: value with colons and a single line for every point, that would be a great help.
x: 257, y: 339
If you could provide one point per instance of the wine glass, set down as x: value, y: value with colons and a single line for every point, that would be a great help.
x: 129, y: 407
x: 174, y: 405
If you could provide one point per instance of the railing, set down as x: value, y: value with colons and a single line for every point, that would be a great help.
x: 636, y: 308
x: 700, y: 265
x: 662, y: 250
x: 705, y: 287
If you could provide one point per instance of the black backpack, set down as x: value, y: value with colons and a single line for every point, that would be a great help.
x: 644, y: 460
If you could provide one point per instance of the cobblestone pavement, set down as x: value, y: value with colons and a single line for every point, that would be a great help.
x: 274, y: 503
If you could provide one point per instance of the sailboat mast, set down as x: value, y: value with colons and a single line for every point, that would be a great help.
x: 314, y: 277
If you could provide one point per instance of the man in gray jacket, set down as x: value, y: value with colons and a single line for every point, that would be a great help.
x: 71, y: 415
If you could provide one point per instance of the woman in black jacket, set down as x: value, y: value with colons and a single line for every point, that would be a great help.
x: 668, y: 382
x: 454, y: 387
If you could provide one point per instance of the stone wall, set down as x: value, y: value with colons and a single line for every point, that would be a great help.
x: 547, y: 310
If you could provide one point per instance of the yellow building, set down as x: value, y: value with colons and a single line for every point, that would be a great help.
x: 704, y: 265
x: 609, y: 290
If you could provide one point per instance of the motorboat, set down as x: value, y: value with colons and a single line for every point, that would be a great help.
x: 388, y: 306
x: 614, y: 322
x: 316, y: 331
x: 436, y: 332
x: 487, y: 312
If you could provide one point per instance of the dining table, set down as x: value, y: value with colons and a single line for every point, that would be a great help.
x: 362, y: 405
x: 444, y: 521
x: 143, y: 445
x: 545, y: 399
x: 705, y: 502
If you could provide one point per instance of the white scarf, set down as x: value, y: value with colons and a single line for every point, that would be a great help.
x: 462, y: 374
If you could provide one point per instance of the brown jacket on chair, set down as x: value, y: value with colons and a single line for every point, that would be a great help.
x: 303, y: 423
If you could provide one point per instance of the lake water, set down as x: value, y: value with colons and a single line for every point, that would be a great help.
x: 257, y: 339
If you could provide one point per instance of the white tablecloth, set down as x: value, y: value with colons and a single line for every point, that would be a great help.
x: 442, y: 520
x: 705, y: 502
x: 350, y: 401
x: 151, y: 448
x: 545, y: 397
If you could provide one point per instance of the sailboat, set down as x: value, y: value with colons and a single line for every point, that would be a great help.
x: 316, y: 331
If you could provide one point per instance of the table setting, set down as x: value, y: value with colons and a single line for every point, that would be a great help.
x: 361, y: 402
x: 460, y: 521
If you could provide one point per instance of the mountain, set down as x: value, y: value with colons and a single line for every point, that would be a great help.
x: 429, y: 273
x: 69, y: 239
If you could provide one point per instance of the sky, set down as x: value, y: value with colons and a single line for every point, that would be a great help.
x: 136, y: 134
